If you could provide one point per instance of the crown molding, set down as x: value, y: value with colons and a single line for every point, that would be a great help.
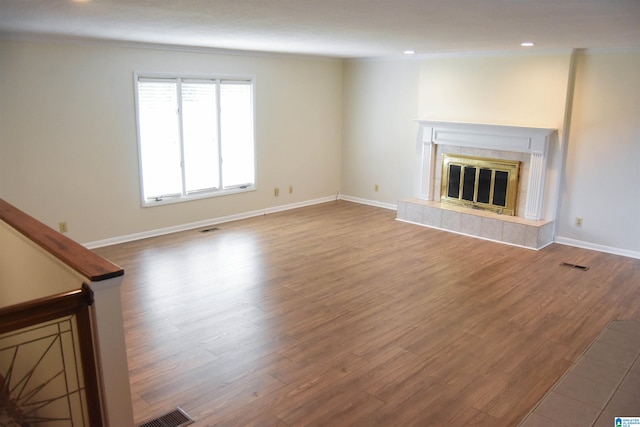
x: 88, y: 41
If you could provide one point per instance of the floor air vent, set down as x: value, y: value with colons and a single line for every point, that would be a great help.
x: 177, y: 418
x: 206, y: 230
x: 578, y: 267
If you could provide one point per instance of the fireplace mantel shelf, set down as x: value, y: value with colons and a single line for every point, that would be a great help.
x: 493, y: 137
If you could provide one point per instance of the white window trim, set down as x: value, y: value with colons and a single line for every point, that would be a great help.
x: 179, y: 198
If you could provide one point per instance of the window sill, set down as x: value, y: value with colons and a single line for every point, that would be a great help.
x: 197, y: 196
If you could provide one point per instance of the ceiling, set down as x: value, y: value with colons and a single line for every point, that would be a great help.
x: 335, y: 28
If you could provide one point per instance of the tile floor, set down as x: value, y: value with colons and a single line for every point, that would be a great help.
x: 604, y: 383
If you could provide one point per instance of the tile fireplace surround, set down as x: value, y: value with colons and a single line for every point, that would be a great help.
x: 533, y: 227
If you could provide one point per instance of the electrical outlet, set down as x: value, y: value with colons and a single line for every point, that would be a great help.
x: 578, y: 222
x: 376, y: 187
x: 63, y: 226
x: 276, y: 192
x: 291, y: 189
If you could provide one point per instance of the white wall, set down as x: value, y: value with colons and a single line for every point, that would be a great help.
x: 68, y: 149
x: 602, y: 176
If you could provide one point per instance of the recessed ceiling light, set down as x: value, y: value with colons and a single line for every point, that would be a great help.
x: 527, y: 44
x: 409, y: 52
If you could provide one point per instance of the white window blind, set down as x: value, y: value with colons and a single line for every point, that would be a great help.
x: 196, y: 137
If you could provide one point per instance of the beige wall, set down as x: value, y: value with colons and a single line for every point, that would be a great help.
x: 27, y: 272
x: 68, y: 149
x: 68, y: 133
x: 380, y: 134
x: 383, y: 97
x: 519, y: 90
x: 602, y: 182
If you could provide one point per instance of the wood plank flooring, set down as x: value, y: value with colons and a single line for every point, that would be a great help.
x: 336, y: 314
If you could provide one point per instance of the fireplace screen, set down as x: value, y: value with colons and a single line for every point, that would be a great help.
x: 480, y: 183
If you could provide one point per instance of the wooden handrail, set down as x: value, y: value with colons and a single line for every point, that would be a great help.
x: 71, y: 253
x: 47, y: 309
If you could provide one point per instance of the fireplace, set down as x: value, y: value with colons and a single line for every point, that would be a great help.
x: 480, y: 183
x: 505, y: 182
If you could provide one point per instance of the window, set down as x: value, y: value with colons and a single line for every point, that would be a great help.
x: 195, y: 137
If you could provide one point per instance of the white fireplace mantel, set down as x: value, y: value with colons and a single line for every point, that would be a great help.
x: 529, y: 140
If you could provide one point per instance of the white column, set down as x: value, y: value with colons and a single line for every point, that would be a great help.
x: 111, y: 352
x: 535, y: 189
x: 428, y: 164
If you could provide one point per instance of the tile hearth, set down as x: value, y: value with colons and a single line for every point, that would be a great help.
x: 486, y: 225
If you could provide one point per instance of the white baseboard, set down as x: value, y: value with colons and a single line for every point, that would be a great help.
x: 203, y: 223
x: 596, y: 247
x: 391, y: 206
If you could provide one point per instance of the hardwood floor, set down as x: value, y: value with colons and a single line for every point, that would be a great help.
x: 337, y: 314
